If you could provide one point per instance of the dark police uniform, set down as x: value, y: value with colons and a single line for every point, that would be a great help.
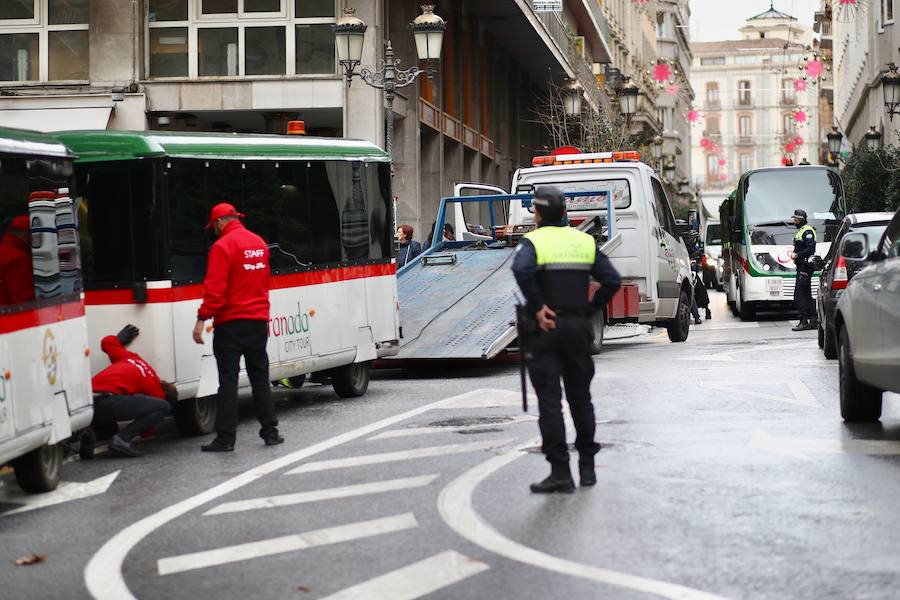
x: 552, y: 266
x: 804, y: 247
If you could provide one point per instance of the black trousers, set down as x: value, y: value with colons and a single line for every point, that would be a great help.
x: 564, y: 352
x: 232, y: 340
x: 803, y: 293
x: 146, y: 411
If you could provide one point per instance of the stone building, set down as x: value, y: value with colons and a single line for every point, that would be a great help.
x: 754, y: 103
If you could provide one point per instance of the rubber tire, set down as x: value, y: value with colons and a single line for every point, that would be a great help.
x: 860, y: 402
x: 38, y: 471
x: 351, y: 381
x: 821, y: 335
x: 680, y: 327
x: 829, y: 342
x: 598, y: 325
x: 297, y: 381
x: 747, y: 312
x: 196, y: 416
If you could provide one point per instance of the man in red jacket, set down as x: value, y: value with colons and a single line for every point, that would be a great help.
x: 236, y: 297
x: 128, y: 389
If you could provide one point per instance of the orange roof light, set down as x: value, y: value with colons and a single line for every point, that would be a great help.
x: 296, y: 128
x: 583, y: 159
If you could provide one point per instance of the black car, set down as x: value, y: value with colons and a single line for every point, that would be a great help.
x: 839, y: 269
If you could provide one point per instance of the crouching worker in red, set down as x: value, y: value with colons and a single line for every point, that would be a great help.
x: 129, y: 390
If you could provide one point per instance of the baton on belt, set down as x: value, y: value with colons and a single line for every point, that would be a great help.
x: 524, y: 326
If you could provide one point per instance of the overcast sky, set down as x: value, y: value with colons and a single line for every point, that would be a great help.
x: 713, y: 20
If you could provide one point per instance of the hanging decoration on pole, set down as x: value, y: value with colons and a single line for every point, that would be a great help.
x: 848, y: 10
x: 813, y: 68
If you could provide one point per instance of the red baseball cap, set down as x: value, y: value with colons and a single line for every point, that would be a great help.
x: 223, y: 209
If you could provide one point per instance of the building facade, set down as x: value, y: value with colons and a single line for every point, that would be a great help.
x: 865, y: 41
x: 757, y: 104
x: 254, y: 65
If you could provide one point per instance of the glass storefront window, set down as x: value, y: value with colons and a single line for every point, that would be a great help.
x: 313, y: 8
x: 167, y: 10
x: 69, y: 53
x: 315, y: 49
x: 219, y: 7
x: 19, y: 57
x: 218, y: 52
x: 169, y: 52
x: 252, y: 6
x: 67, y: 12
x: 17, y: 9
x: 264, y: 49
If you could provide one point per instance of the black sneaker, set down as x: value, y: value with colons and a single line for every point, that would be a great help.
x: 708, y: 314
x: 273, y: 440
x: 217, y: 446
x: 587, y: 474
x: 120, y: 446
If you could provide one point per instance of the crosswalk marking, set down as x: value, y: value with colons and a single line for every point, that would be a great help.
x: 377, y: 487
x: 288, y: 543
x: 415, y: 580
x: 386, y: 457
x: 412, y: 431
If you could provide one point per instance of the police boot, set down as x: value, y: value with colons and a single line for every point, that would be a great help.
x: 559, y: 481
x: 586, y: 472
x: 803, y: 325
x: 708, y: 314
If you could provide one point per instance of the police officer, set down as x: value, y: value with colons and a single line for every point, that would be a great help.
x: 804, y: 248
x: 552, y: 266
x: 236, y: 297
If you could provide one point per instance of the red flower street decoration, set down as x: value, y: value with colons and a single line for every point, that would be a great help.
x: 790, y: 148
x: 814, y: 68
x: 672, y: 89
x: 801, y: 117
x: 801, y: 85
x: 722, y: 162
x: 662, y: 73
x: 693, y: 116
x: 798, y: 141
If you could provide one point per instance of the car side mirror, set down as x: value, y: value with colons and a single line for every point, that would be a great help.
x: 694, y: 220
x: 855, y: 246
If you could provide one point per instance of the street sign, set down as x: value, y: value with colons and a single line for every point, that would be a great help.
x: 547, y: 5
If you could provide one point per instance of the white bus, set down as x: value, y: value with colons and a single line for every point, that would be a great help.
x: 45, y: 391
x: 323, y: 206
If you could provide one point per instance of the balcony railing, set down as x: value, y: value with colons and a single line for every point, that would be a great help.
x: 557, y: 30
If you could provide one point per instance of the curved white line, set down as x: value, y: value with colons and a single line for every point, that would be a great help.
x: 103, y: 573
x: 455, y: 506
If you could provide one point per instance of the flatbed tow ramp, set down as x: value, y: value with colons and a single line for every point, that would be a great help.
x: 457, y: 299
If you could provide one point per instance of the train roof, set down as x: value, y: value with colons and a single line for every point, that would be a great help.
x: 31, y: 143
x: 94, y: 146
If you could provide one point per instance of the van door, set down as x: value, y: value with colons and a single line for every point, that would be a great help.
x: 665, y: 237
x: 472, y: 222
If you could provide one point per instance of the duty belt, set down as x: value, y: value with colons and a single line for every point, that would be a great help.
x: 572, y: 312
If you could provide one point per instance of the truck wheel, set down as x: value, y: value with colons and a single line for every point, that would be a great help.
x: 859, y: 401
x: 38, y: 471
x: 351, y: 381
x: 680, y: 326
x: 196, y: 416
x: 598, y: 325
x: 297, y: 381
x: 821, y: 334
x: 829, y: 343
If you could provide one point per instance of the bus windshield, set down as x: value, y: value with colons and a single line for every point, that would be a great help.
x: 770, y: 198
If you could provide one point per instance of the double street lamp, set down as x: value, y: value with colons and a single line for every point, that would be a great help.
x: 349, y: 33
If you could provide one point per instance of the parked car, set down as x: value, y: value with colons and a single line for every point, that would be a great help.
x: 712, y: 259
x: 867, y: 323
x: 842, y: 262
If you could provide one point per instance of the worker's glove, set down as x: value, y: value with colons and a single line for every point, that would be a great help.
x: 127, y: 335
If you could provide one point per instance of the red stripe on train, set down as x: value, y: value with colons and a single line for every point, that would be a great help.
x: 40, y: 316
x: 277, y: 282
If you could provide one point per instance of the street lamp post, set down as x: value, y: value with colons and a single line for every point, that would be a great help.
x: 657, y: 149
x: 572, y: 98
x: 835, y: 138
x: 349, y: 32
x: 628, y: 101
x: 669, y: 171
x: 873, y: 139
x: 890, y: 87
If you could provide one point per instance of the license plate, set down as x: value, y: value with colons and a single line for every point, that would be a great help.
x: 773, y: 286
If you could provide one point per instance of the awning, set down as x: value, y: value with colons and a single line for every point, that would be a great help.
x: 56, y: 119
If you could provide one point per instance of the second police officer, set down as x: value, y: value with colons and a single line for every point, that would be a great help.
x: 804, y: 248
x: 553, y: 266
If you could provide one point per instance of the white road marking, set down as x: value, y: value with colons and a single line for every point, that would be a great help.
x: 411, y: 431
x: 801, y: 448
x: 455, y: 506
x: 349, y: 491
x: 722, y: 325
x: 103, y: 573
x: 401, y: 455
x: 800, y: 395
x: 416, y: 580
x: 288, y: 543
x: 483, y: 398
x: 66, y: 492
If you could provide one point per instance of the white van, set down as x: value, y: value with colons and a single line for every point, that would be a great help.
x: 652, y: 253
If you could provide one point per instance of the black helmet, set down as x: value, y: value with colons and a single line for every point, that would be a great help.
x: 800, y: 213
x: 550, y: 202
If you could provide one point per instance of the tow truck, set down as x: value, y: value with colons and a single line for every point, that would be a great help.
x: 457, y: 299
